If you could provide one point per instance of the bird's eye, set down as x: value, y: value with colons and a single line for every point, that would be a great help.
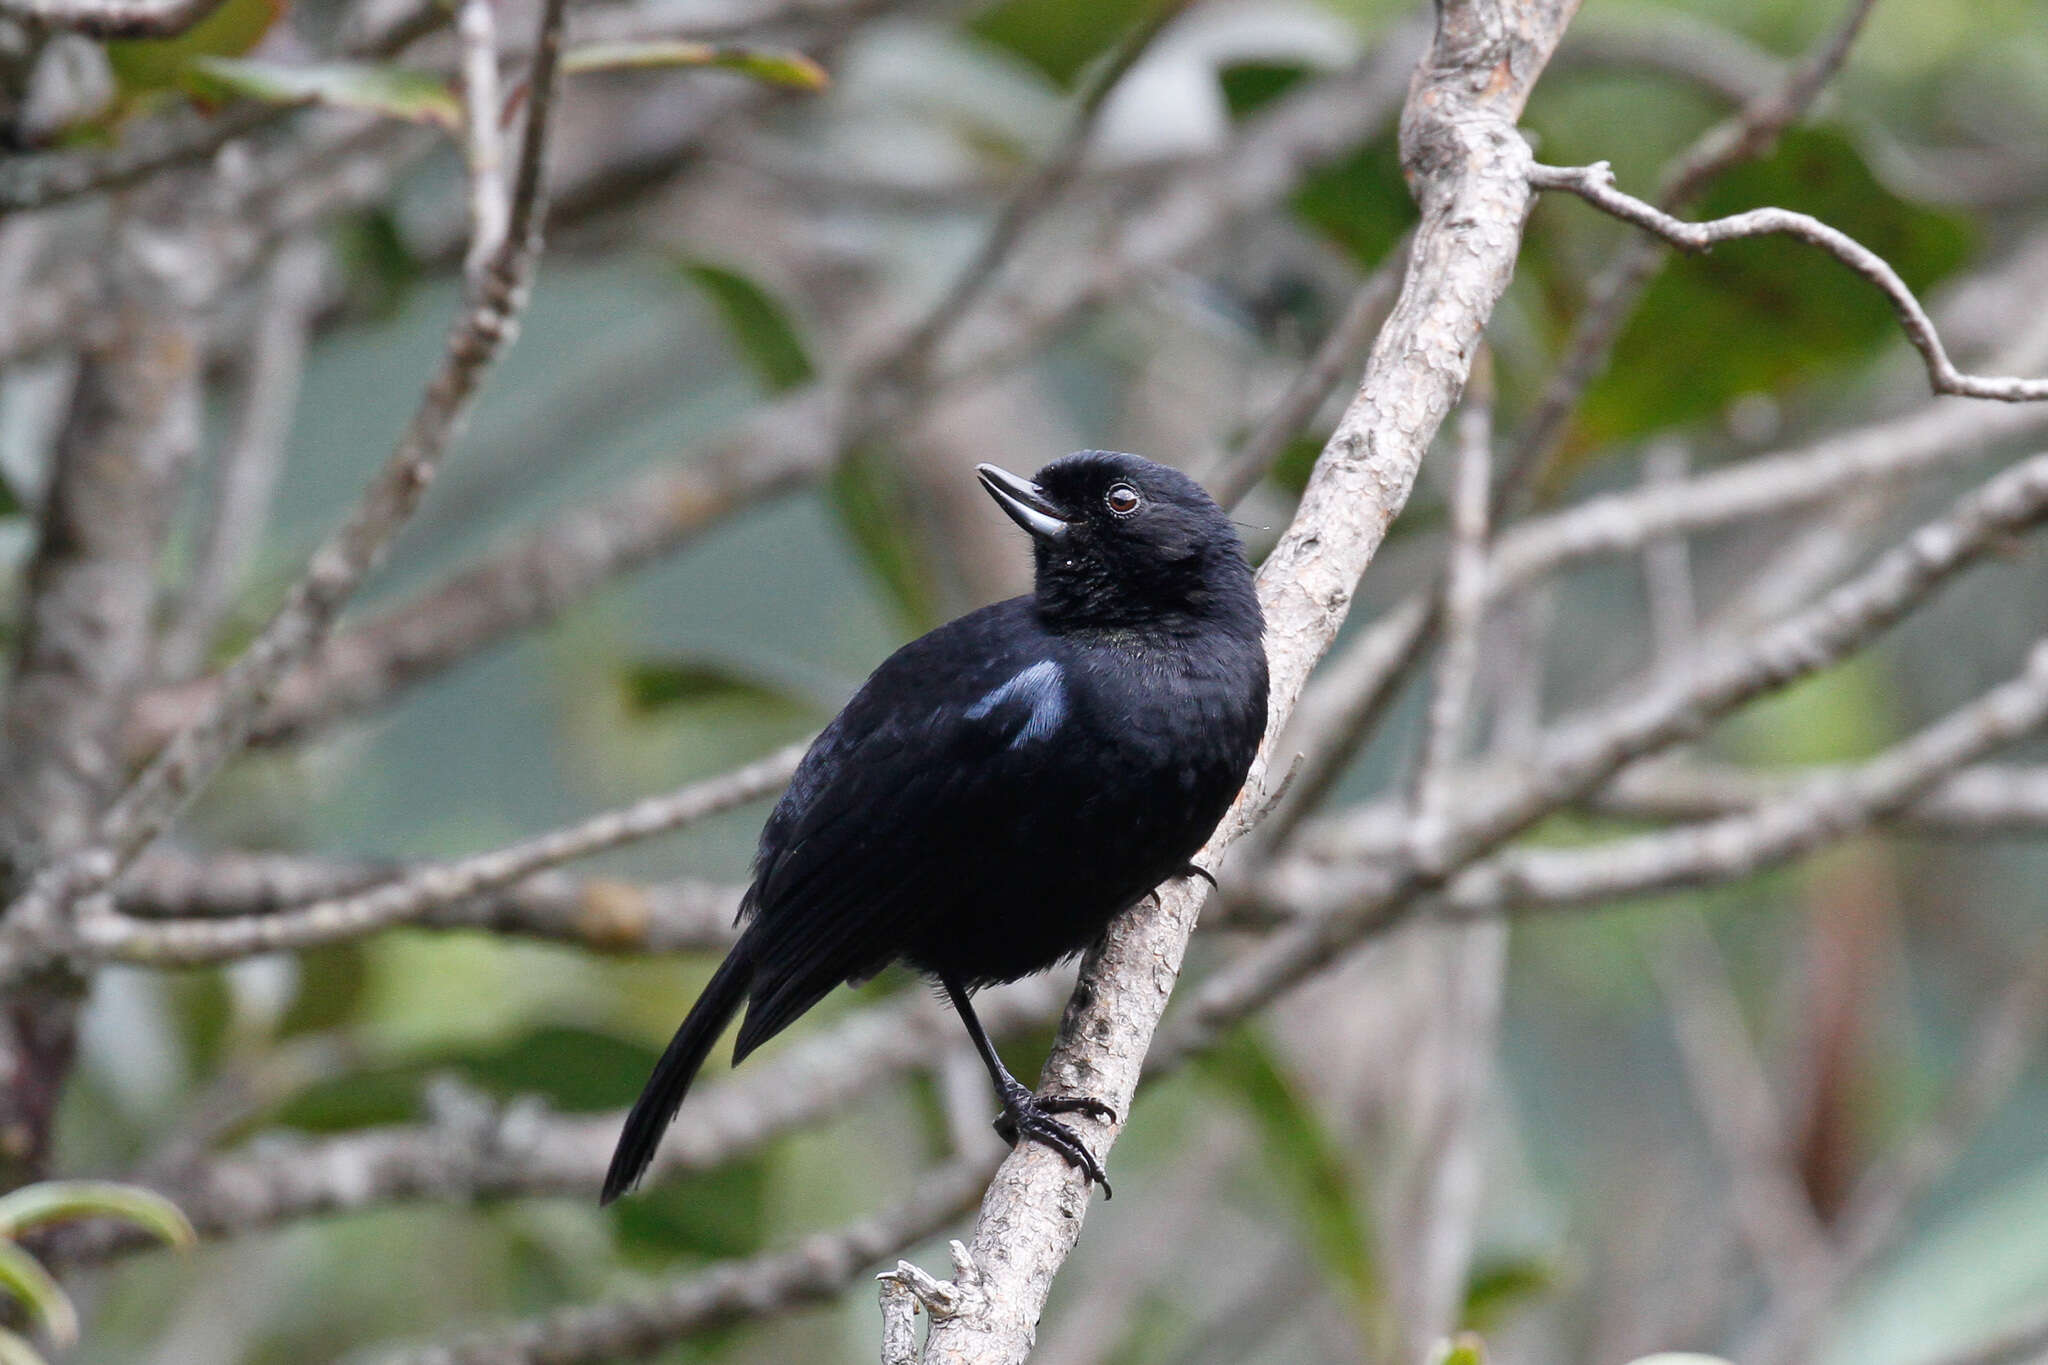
x: 1122, y: 499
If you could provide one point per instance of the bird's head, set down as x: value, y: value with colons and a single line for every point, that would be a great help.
x: 1122, y: 542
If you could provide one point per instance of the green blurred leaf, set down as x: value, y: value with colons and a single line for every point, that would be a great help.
x: 393, y: 91
x: 1059, y: 37
x: 1361, y: 203
x: 333, y: 981
x: 24, y: 1277
x: 15, y: 1350
x: 58, y: 1201
x: 143, y: 64
x: 1756, y: 316
x: 1309, y: 1163
x: 716, y: 1215
x: 867, y: 493
x: 575, y: 1070
x: 771, y: 66
x: 1250, y: 86
x: 760, y: 327
x: 1499, y: 1285
x: 378, y: 266
x: 658, y: 684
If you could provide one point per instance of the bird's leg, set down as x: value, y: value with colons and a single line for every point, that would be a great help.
x: 1025, y: 1116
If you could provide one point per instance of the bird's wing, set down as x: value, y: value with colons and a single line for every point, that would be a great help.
x: 906, y: 796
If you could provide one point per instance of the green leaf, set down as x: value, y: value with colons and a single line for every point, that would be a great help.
x: 760, y: 327
x: 24, y: 1277
x: 1361, y: 203
x: 393, y: 91
x: 1059, y: 37
x: 576, y: 1070
x: 771, y: 66
x: 1762, y: 315
x: 15, y: 1350
x: 1308, y: 1161
x: 1250, y: 86
x: 867, y: 493
x: 657, y: 684
x: 57, y: 1201
x: 718, y: 1215
x: 143, y: 64
x: 1499, y: 1285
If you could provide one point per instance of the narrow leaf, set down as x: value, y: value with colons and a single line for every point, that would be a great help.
x: 393, y: 91
x: 145, y: 64
x: 58, y: 1201
x: 24, y: 1277
x: 1309, y: 1162
x: 759, y: 325
x: 770, y: 66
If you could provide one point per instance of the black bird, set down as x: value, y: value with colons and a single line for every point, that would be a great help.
x: 1002, y: 788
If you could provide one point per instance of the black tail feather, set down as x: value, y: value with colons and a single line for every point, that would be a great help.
x: 656, y: 1108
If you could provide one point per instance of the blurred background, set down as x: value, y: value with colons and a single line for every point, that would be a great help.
x: 718, y: 242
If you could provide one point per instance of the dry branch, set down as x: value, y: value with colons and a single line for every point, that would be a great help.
x: 1595, y: 184
x: 1468, y: 166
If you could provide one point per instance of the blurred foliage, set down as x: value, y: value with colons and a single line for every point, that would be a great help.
x: 755, y: 632
x: 1059, y: 37
x: 145, y: 65
x: 760, y: 328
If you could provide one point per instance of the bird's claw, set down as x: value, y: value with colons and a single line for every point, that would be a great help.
x: 1192, y: 870
x: 1027, y: 1118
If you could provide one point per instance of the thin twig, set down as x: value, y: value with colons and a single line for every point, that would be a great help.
x: 117, y: 938
x: 817, y: 1268
x: 1595, y: 184
x: 483, y: 143
x: 1239, y: 472
x: 1733, y: 1096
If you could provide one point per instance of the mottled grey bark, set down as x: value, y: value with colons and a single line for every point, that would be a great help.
x: 130, y: 431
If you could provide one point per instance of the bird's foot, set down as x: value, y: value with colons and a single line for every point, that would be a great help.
x: 1191, y: 870
x: 1028, y: 1118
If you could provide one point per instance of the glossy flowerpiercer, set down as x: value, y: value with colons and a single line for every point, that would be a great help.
x: 1002, y: 788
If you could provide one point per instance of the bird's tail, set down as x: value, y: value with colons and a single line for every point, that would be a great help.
x: 656, y: 1108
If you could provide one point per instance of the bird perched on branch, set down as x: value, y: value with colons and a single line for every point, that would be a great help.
x: 1002, y: 788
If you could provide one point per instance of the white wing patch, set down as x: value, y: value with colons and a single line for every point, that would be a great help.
x: 1042, y: 688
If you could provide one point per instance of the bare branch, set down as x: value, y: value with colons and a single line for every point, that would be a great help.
x: 1240, y: 472
x: 1464, y: 157
x: 535, y: 575
x: 1576, y: 758
x: 245, y: 473
x: 116, y: 938
x: 1464, y: 617
x: 1612, y: 296
x: 1819, y: 812
x: 473, y: 1150
x: 1733, y: 1096
x: 1595, y: 184
x: 817, y: 1268
x: 1977, y: 802
x: 490, y: 201
x: 2005, y: 1036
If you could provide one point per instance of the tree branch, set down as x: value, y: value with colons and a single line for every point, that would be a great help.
x: 1468, y: 166
x: 1595, y: 184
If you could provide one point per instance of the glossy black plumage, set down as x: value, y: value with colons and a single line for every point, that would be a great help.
x: 1002, y: 787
